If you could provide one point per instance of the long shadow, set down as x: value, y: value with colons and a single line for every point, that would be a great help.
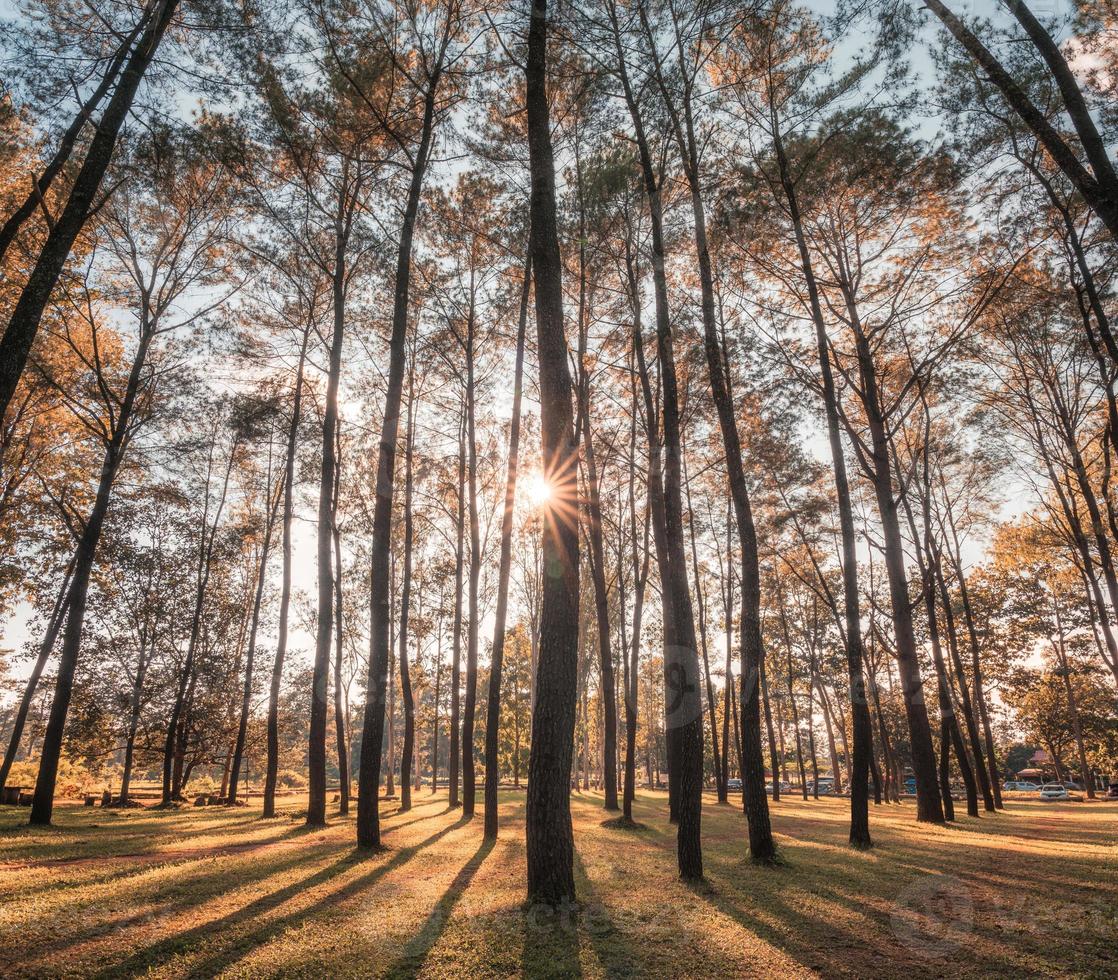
x: 550, y: 946
x: 615, y: 953
x: 816, y: 944
x: 75, y: 837
x: 420, y: 819
x: 151, y: 902
x: 215, y: 931
x: 414, y: 955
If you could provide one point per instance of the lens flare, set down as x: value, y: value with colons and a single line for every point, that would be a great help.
x: 539, y: 489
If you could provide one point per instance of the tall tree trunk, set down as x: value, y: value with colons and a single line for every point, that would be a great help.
x: 339, y: 646
x: 640, y: 558
x: 435, y: 719
x: 976, y: 657
x: 774, y: 757
x: 683, y: 701
x: 456, y: 635
x: 550, y: 841
x: 42, y: 805
x: 593, y: 522
x: 24, y: 323
x: 174, y: 742
x: 811, y: 729
x: 469, y: 706
x: 134, y: 707
x: 761, y: 846
x: 969, y: 718
x: 496, y: 661
x: 859, y: 708
x: 949, y: 735
x: 250, y: 652
x: 700, y: 604
x: 1073, y: 706
x: 372, y: 736
x: 929, y: 802
x: 316, y: 747
x: 832, y: 751
x: 405, y: 601
x: 54, y: 625
x: 608, y: 694
x: 272, y: 764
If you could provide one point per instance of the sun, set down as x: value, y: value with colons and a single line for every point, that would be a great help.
x: 539, y: 489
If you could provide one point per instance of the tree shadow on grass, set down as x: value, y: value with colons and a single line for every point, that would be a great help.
x: 818, y: 942
x: 550, y: 944
x: 414, y: 955
x: 78, y: 923
x: 223, y: 931
x: 616, y: 955
x: 418, y: 819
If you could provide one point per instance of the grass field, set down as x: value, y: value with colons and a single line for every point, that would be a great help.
x: 214, y: 891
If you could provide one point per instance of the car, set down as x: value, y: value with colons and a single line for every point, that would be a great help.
x: 1112, y: 791
x: 1021, y: 786
x: 733, y: 785
x: 1053, y: 791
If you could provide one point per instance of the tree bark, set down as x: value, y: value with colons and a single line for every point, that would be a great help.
x: 272, y: 764
x: 54, y: 625
x: 469, y: 706
x: 1073, y: 707
x: 929, y: 802
x: 761, y: 845
x: 859, y: 708
x: 250, y: 652
x: 683, y: 701
x: 408, y: 751
x: 456, y: 634
x: 496, y: 662
x: 550, y: 842
x: 700, y: 603
x: 372, y: 736
x: 134, y: 707
x: 969, y: 719
x: 316, y: 747
x: 42, y: 805
x: 593, y: 508
x: 339, y: 647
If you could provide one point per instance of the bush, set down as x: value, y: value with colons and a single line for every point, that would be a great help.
x: 290, y: 779
x: 74, y: 779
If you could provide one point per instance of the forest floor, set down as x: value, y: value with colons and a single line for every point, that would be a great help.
x: 200, y: 892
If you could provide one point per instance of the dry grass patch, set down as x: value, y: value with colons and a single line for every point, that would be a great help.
x: 207, y: 892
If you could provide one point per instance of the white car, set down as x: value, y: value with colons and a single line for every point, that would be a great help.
x: 1053, y: 791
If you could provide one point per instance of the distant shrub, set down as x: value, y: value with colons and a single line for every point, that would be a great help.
x: 74, y: 779
x: 290, y: 779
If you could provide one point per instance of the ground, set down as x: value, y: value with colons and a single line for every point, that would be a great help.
x: 198, y: 892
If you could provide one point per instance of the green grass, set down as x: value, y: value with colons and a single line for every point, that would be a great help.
x: 210, y: 891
